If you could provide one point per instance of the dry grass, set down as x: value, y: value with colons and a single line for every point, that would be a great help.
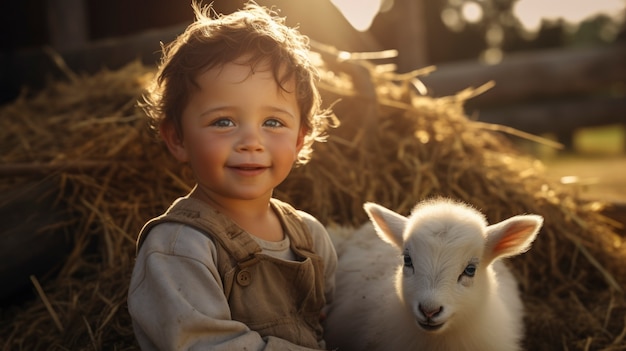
x: 394, y: 147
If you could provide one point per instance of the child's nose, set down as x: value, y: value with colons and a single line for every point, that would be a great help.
x: 250, y: 140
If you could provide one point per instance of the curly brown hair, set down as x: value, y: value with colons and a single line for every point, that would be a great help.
x: 255, y: 33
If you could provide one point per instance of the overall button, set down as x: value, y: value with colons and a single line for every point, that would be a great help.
x: 243, y: 278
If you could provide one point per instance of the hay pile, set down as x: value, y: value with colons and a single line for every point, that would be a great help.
x: 394, y: 147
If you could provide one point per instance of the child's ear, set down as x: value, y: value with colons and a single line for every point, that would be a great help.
x: 300, y: 141
x: 173, y: 141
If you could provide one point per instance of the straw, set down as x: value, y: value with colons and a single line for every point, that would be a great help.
x: 395, y: 146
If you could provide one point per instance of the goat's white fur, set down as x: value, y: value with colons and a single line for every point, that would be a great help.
x: 375, y: 309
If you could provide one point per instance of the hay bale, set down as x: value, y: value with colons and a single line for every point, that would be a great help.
x: 394, y: 147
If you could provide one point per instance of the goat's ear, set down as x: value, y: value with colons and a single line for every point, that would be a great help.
x: 389, y: 225
x: 512, y: 236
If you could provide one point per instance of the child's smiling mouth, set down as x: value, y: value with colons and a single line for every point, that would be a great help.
x: 248, y: 169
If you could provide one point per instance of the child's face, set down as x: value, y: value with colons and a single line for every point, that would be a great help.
x: 241, y: 132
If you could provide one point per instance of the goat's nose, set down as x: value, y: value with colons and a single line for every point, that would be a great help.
x: 430, y: 312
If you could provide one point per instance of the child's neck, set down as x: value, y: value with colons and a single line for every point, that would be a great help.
x: 255, y: 217
x: 264, y: 226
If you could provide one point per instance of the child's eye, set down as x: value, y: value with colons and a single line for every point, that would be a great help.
x: 222, y: 122
x: 273, y: 123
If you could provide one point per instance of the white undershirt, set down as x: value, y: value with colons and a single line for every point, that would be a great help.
x: 277, y: 249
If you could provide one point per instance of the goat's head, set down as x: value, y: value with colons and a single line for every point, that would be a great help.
x: 446, y: 249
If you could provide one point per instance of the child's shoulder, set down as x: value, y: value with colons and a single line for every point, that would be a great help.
x: 179, y: 239
x: 309, y: 219
x: 285, y: 206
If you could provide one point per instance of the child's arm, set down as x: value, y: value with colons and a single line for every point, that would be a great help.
x: 176, y: 299
x: 323, y: 246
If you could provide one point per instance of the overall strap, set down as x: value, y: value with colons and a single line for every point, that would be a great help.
x: 293, y: 224
x: 211, y: 223
x: 301, y: 242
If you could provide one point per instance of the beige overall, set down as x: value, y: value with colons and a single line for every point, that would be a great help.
x: 271, y: 296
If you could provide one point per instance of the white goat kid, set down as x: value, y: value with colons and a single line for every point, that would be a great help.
x: 449, y: 290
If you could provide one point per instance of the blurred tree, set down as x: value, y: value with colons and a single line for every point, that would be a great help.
x: 514, y: 25
x: 488, y: 29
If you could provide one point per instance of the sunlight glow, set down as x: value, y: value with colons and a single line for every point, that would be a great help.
x: 472, y: 12
x: 532, y: 12
x: 360, y: 13
x: 452, y: 19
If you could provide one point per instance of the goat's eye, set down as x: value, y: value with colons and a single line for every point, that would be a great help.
x: 470, y: 270
x: 407, y: 261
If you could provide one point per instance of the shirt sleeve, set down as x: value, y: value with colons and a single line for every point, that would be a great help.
x: 323, y: 247
x: 176, y: 299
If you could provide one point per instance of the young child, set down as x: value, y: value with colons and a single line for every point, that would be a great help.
x: 228, y: 267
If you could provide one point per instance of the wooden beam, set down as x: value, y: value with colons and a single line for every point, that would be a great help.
x: 411, y: 35
x: 530, y: 75
x: 67, y: 24
x: 559, y: 116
